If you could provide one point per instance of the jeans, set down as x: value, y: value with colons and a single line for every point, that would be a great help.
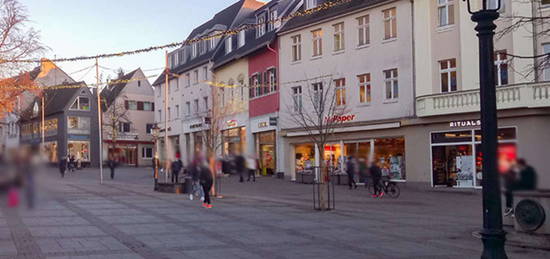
x: 252, y: 172
x: 206, y: 186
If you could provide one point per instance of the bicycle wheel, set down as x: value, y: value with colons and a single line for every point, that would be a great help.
x: 393, y: 190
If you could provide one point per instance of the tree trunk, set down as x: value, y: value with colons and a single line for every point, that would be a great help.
x: 323, y: 181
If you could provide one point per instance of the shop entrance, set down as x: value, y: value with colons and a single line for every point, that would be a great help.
x: 457, y: 157
x: 266, y: 152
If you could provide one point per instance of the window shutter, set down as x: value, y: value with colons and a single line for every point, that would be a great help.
x: 126, y: 105
x: 274, y: 71
x: 140, y: 106
x: 152, y: 106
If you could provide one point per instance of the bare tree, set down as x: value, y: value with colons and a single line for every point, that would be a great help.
x: 17, y: 41
x: 115, y: 114
x: 319, y: 116
x: 537, y: 24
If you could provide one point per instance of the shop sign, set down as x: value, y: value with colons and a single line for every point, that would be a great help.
x: 262, y: 124
x: 78, y: 137
x: 231, y: 123
x: 465, y: 123
x: 341, y: 118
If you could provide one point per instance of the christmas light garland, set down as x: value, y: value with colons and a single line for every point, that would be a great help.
x: 321, y: 7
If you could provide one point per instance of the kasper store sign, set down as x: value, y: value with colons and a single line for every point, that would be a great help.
x: 341, y: 118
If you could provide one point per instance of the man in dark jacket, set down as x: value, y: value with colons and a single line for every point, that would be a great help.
x: 240, y: 166
x: 206, y: 181
x: 111, y: 163
x: 62, y: 166
x: 177, y: 165
x: 376, y: 175
x: 527, y: 181
x: 350, y: 171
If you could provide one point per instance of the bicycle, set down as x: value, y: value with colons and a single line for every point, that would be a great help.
x: 387, y: 186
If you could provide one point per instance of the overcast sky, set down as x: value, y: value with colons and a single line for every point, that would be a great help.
x: 89, y: 27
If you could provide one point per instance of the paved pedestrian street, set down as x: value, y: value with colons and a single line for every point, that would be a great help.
x: 76, y: 217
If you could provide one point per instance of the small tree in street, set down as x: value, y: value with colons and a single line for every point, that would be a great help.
x: 115, y: 113
x: 319, y: 116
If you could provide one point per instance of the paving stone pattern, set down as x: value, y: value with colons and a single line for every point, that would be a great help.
x: 76, y: 217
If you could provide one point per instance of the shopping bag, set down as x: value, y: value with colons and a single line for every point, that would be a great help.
x: 13, y: 198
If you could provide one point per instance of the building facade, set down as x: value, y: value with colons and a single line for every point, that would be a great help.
x: 363, y: 53
x: 128, y: 120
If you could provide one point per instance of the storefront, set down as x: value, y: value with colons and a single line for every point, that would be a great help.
x: 456, y: 156
x: 234, y: 141
x: 388, y: 152
x: 266, y: 146
x: 79, y: 149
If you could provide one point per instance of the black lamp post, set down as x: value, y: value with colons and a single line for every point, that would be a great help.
x: 492, y: 234
x: 155, y: 132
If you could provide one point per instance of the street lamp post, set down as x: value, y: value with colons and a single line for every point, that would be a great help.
x: 155, y: 133
x: 492, y: 235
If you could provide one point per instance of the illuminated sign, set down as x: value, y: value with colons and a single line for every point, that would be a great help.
x: 465, y: 123
x: 262, y: 124
x: 341, y: 118
x: 231, y: 123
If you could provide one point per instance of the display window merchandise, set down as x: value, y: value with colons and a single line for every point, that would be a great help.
x: 80, y: 150
x: 265, y: 143
x: 234, y: 140
x: 456, y: 156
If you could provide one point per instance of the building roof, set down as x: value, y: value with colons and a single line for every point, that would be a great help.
x: 223, y: 20
x: 253, y: 43
x: 56, y: 99
x: 111, y: 92
x: 325, y: 14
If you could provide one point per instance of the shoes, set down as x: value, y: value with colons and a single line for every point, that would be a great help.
x: 375, y: 196
x: 209, y: 206
x: 381, y: 195
x: 191, y: 197
x: 508, y: 212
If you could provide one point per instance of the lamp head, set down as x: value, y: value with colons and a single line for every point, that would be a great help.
x: 483, y: 5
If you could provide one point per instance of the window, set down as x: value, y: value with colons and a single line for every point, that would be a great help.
x: 78, y: 125
x: 212, y: 43
x: 188, y: 79
x: 260, y: 31
x: 445, y: 10
x: 124, y: 127
x: 188, y: 106
x: 311, y: 4
x: 169, y: 113
x: 148, y: 106
x: 297, y: 98
x: 339, y: 37
x: 390, y: 23
x: 146, y: 152
x: 364, y: 89
x: 296, y: 48
x: 196, y: 76
x: 255, y: 85
x: 194, y: 49
x: 240, y: 81
x: 149, y: 128
x: 317, y: 95
x: 317, y: 37
x: 272, y: 77
x: 160, y: 115
x: 196, y: 102
x: 205, y: 103
x: 140, y: 106
x: 273, y: 22
x: 501, y: 67
x: 222, y: 95
x: 363, y: 30
x: 205, y: 72
x: 181, y: 56
x: 242, y: 38
x: 546, y: 71
x: 392, y: 86
x: 340, y: 91
x: 203, y: 46
x: 228, y: 44
x: 177, y: 111
x: 139, y: 83
x: 131, y: 105
x: 266, y: 85
x: 81, y: 103
x: 447, y: 70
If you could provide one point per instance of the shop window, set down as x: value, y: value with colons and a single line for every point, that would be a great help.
x: 80, y: 150
x: 81, y: 103
x: 305, y: 157
x: 390, y: 155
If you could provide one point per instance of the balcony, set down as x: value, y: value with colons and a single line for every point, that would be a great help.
x: 124, y: 136
x: 533, y: 95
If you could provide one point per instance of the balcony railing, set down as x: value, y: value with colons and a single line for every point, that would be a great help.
x: 508, y: 97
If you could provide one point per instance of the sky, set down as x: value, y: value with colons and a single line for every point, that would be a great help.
x: 88, y: 27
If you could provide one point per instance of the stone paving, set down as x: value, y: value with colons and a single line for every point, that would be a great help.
x: 76, y: 217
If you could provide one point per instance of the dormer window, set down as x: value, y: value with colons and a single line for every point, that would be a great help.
x: 260, y: 30
x: 228, y: 45
x: 242, y: 38
x: 310, y: 4
x: 81, y: 104
x: 194, y: 49
x: 273, y: 22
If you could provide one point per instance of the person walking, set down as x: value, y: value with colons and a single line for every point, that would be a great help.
x: 527, y: 181
x: 251, y: 165
x: 363, y: 171
x: 111, y: 163
x: 240, y: 167
x: 71, y: 163
x: 62, y: 166
x: 177, y: 165
x: 350, y: 171
x: 376, y: 176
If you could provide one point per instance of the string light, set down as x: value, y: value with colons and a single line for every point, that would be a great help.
x: 220, y: 34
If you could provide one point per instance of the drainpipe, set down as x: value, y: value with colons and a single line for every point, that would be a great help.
x: 270, y: 48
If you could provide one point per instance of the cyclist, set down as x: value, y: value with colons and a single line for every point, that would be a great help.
x: 376, y: 175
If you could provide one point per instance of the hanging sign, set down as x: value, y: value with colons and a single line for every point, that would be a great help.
x: 231, y: 123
